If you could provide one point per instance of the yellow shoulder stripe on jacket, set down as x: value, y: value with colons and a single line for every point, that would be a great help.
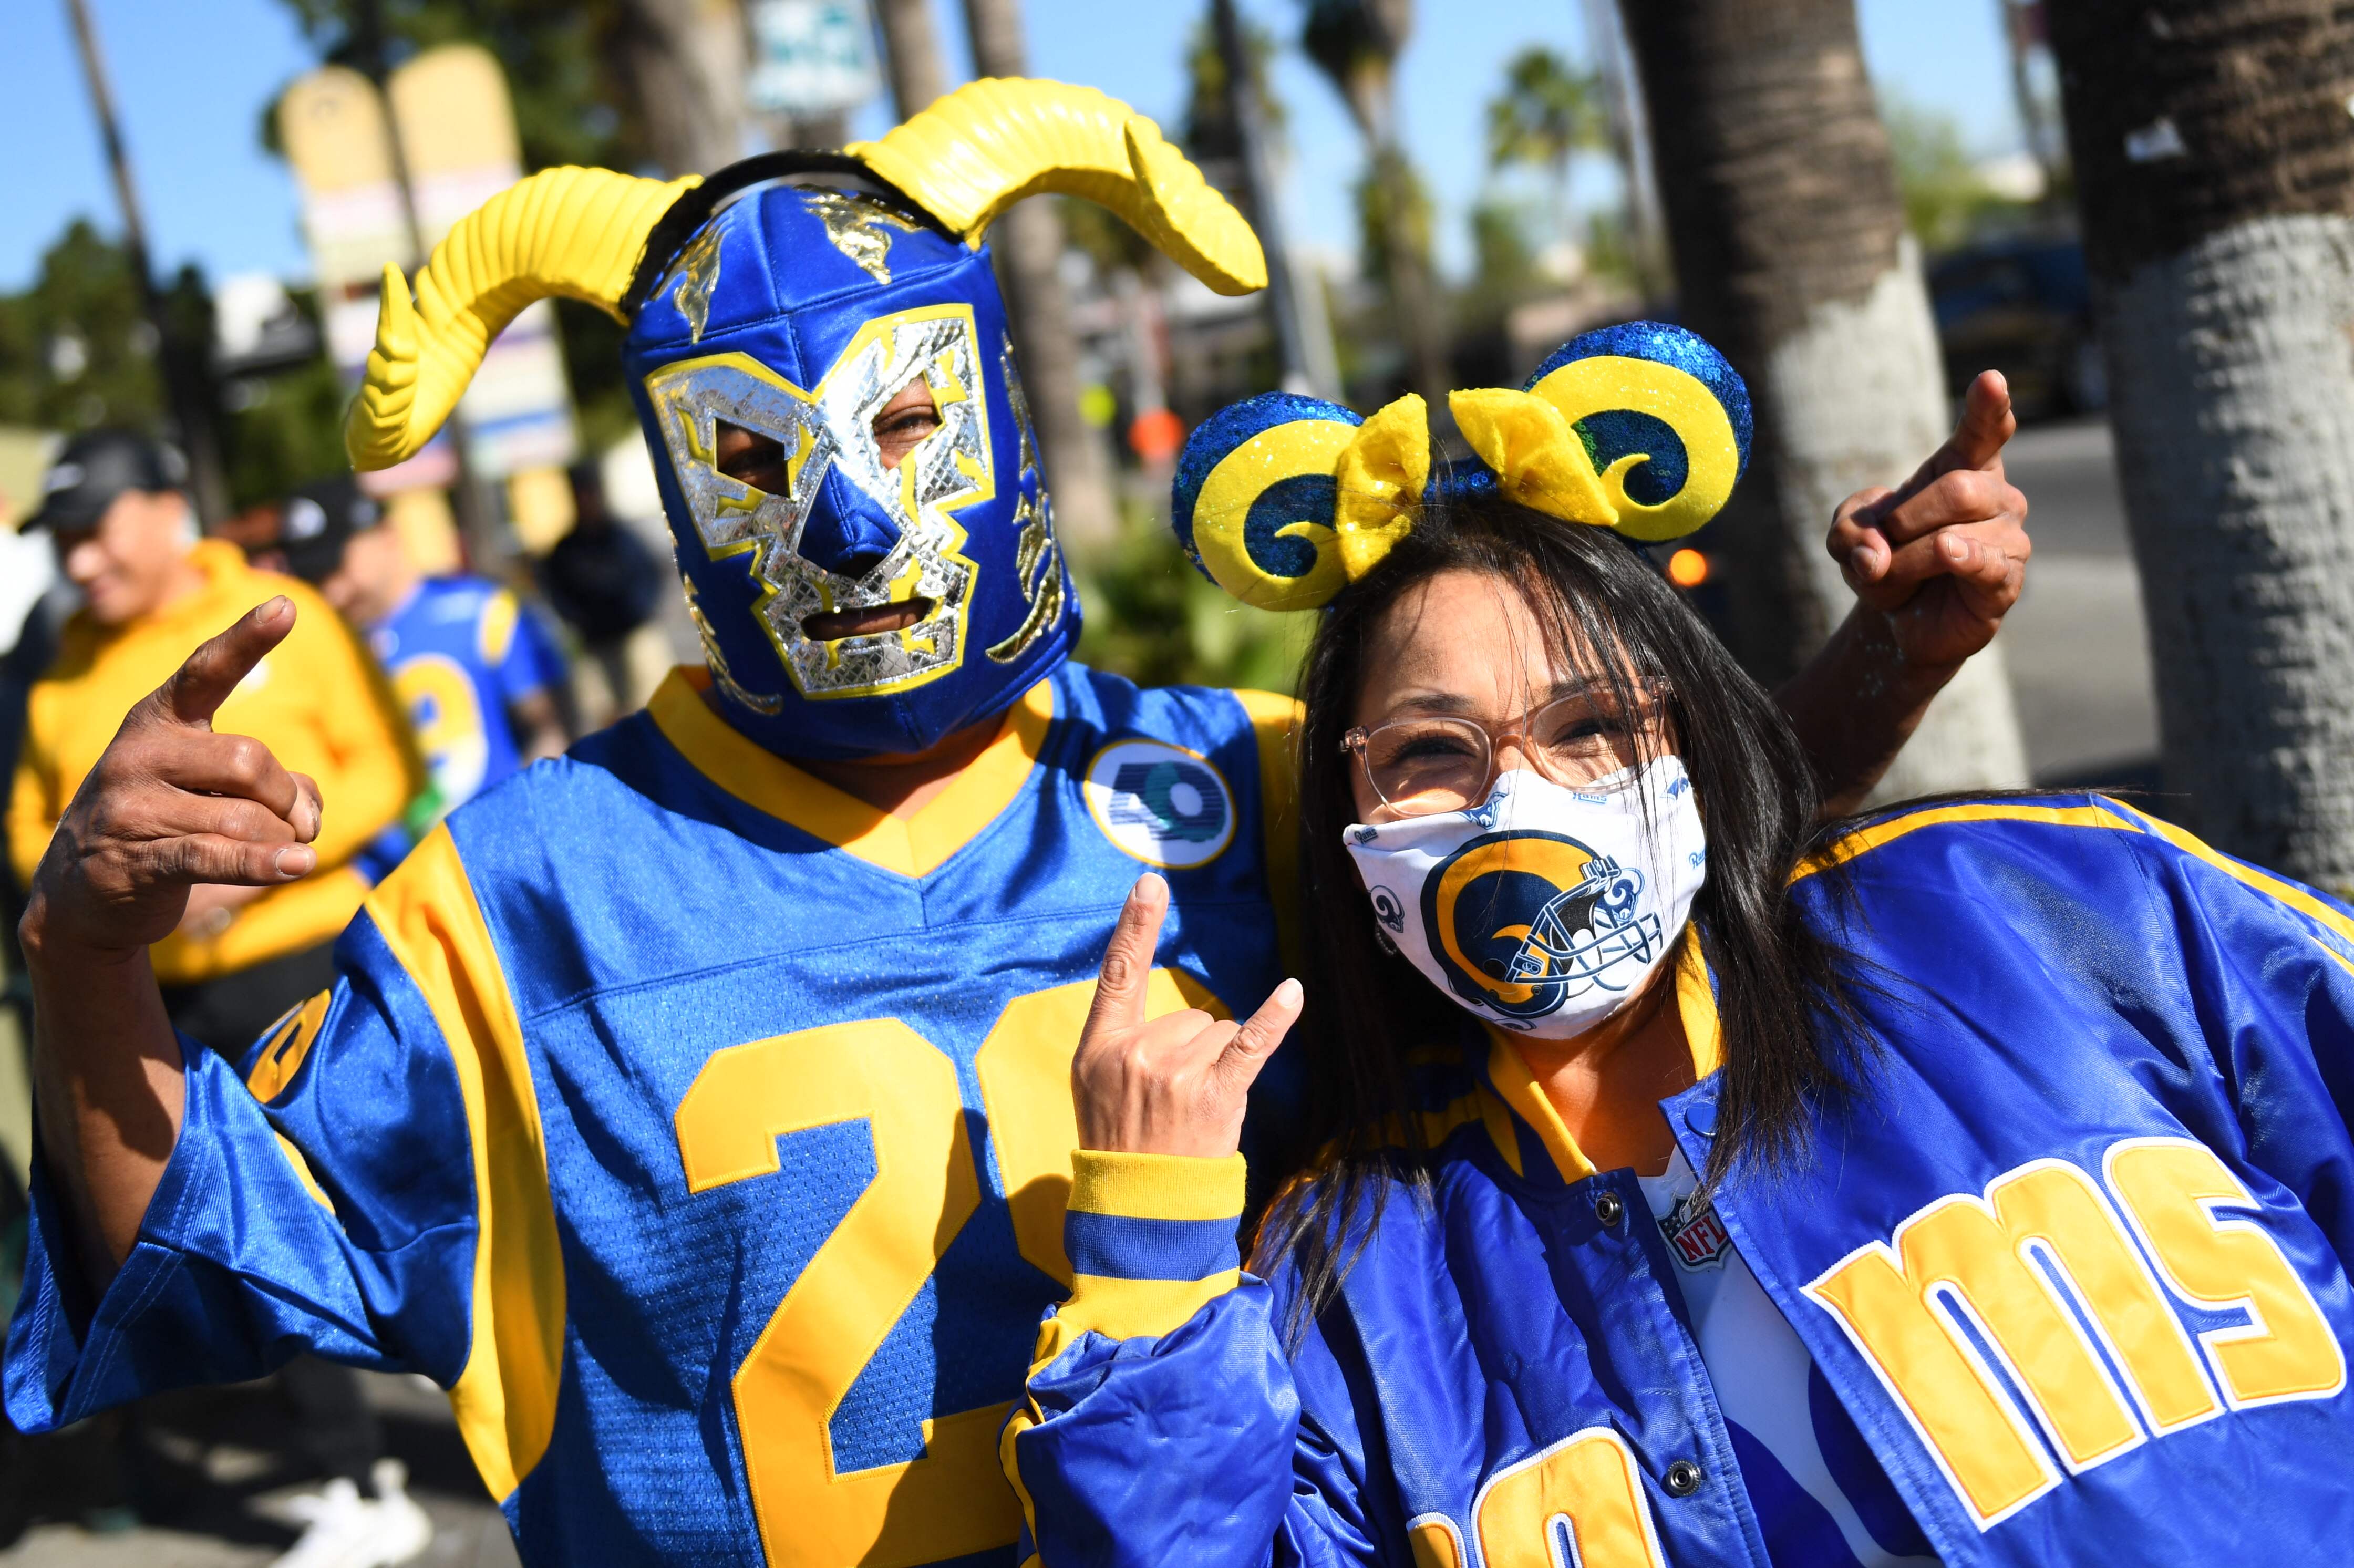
x: 1864, y: 841
x: 505, y: 1399
x: 495, y: 634
x: 2109, y: 814
x: 2273, y: 887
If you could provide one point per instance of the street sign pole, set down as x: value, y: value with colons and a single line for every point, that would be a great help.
x: 187, y: 387
x: 477, y: 519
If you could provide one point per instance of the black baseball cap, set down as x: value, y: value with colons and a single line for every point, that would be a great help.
x: 319, y: 518
x: 99, y: 465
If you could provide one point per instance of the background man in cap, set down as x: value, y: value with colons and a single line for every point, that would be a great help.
x: 152, y: 591
x: 477, y: 673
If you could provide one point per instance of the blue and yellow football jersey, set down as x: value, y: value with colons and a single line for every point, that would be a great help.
x: 462, y: 652
x: 706, y: 1132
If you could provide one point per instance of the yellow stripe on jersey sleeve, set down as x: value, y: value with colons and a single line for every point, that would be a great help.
x: 1276, y: 722
x: 494, y: 633
x: 506, y: 1398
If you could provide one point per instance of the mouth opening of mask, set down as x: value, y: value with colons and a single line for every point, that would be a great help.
x: 866, y: 620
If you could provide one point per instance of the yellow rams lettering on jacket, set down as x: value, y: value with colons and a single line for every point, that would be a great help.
x: 1586, y: 1486
x: 2119, y: 1247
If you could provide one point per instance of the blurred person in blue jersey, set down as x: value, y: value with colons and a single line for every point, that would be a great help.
x: 476, y: 670
x: 1701, y: 1184
x: 695, y: 1107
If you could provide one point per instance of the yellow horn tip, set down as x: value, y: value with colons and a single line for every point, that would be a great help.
x: 376, y: 426
x: 991, y: 143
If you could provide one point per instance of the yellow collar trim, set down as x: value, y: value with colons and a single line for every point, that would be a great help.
x: 1517, y: 1088
x: 911, y: 846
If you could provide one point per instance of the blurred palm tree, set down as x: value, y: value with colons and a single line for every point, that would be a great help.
x: 1356, y: 43
x: 1547, y: 112
x: 911, y: 53
x: 2215, y: 178
x: 1791, y: 254
x: 1029, y: 242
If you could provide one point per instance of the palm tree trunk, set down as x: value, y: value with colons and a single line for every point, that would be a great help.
x: 1780, y: 197
x: 1029, y: 245
x: 2215, y: 175
x: 1414, y: 291
x: 911, y: 50
x: 685, y: 62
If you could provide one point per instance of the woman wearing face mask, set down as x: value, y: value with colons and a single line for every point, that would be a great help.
x: 1692, y: 1185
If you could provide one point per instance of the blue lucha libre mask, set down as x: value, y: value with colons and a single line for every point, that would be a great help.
x: 786, y: 322
x: 796, y: 314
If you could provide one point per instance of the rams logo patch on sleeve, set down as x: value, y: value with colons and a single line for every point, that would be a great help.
x: 1164, y: 805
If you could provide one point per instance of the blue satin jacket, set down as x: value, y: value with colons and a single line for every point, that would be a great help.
x: 2072, y: 1273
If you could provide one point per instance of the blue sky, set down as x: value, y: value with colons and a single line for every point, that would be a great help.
x: 193, y: 80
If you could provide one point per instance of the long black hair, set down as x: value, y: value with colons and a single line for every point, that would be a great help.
x: 1368, y: 1011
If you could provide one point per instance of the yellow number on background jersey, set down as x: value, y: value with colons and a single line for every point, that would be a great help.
x: 448, y: 716
x: 834, y: 1317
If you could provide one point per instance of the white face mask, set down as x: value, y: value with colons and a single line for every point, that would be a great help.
x: 1545, y: 908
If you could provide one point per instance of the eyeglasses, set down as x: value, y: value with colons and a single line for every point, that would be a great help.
x: 1421, y: 767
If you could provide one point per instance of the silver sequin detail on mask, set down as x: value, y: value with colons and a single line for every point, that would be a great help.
x: 730, y: 517
x: 859, y: 227
x: 697, y: 272
x: 1037, y: 559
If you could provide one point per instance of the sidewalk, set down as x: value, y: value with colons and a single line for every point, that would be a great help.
x: 217, y: 1467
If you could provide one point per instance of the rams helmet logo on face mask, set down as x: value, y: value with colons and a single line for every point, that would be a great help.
x: 1525, y: 922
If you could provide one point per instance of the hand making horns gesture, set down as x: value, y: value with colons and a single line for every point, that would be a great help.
x: 1174, y: 1085
x: 171, y: 805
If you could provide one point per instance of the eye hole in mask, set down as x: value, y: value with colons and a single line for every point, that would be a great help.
x: 751, y: 458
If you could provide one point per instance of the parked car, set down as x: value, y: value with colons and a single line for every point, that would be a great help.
x: 2022, y: 305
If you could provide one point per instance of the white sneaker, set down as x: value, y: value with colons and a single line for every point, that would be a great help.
x: 342, y: 1529
x: 403, y: 1529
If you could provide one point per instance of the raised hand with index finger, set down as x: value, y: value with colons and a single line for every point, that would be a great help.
x: 172, y: 805
x: 1943, y: 555
x: 1178, y: 1084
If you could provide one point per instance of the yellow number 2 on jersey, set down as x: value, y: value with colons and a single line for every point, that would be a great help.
x: 954, y: 1500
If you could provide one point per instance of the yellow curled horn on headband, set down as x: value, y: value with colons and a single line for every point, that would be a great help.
x: 569, y: 231
x: 991, y: 143
x: 582, y: 233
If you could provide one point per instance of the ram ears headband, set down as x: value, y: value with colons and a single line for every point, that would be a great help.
x: 602, y: 238
x: 1283, y: 501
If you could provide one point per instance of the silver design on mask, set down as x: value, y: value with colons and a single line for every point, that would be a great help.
x: 716, y: 662
x: 1037, y: 559
x: 697, y: 271
x: 833, y: 430
x: 857, y: 225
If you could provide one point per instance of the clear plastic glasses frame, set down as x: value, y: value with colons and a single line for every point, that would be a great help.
x: 1426, y: 765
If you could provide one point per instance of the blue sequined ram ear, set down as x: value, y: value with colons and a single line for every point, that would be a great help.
x: 1664, y: 417
x: 1253, y: 499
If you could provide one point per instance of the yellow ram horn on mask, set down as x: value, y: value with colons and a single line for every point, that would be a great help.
x: 569, y: 231
x: 991, y: 143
